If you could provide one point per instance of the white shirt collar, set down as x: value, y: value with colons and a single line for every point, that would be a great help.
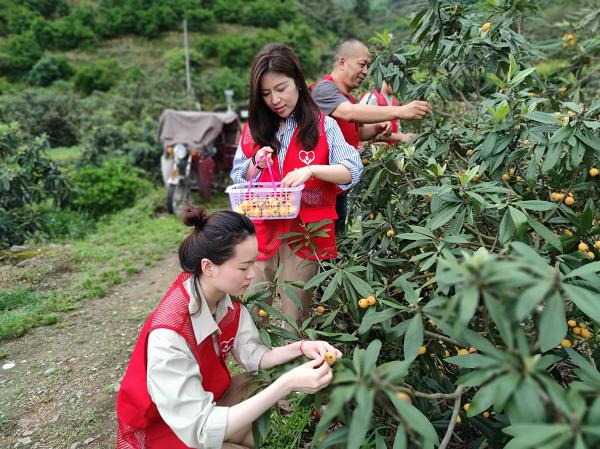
x: 203, y: 322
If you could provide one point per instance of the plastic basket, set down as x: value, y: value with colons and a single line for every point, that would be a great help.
x: 265, y: 200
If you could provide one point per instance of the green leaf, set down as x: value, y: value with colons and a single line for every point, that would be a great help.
x: 519, y: 77
x: 473, y: 361
x: 512, y: 66
x: 530, y: 298
x: 260, y: 427
x: 413, y: 417
x: 440, y: 219
x: 413, y: 338
x: 536, y: 205
x: 469, y: 299
x: 373, y: 317
x: 507, y: 228
x: 593, y: 267
x: 400, y: 441
x: 375, y: 182
x: 498, y: 314
x: 410, y: 294
x: 561, y: 134
x: 319, y: 279
x: 332, y: 287
x: 553, y: 326
x: 552, y: 156
x: 494, y: 79
x: 395, y: 370
x: 370, y: 357
x: 545, y: 233
x: 532, y: 434
x: 501, y: 111
x: 361, y: 417
x: 542, y: 117
x: 586, y: 300
x: 359, y: 285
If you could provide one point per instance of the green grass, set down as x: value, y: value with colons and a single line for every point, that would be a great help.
x: 65, y: 154
x: 124, y: 244
x: 287, y: 431
x: 548, y: 67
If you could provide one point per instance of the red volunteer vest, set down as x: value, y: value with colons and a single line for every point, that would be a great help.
x: 382, y: 102
x: 349, y: 129
x: 317, y: 201
x: 140, y: 424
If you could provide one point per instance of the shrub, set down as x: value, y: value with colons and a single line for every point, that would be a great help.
x: 268, y: 14
x: 175, y: 61
x: 19, y: 19
x: 29, y: 182
x: 71, y: 32
x: 50, y: 112
x: 49, y: 69
x: 208, y: 46
x: 236, y: 51
x: 18, y: 55
x: 113, y: 186
x: 99, y: 75
x: 229, y: 11
x: 200, y: 19
x: 215, y: 83
x: 478, y: 242
x: 133, y: 141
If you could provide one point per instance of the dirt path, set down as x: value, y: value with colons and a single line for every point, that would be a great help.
x: 61, y: 392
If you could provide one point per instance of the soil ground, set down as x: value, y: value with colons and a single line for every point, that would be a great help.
x: 61, y: 391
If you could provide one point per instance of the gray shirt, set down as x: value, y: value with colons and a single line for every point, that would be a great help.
x: 328, y: 96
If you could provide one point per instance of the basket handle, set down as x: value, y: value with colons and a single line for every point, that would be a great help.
x: 255, y: 170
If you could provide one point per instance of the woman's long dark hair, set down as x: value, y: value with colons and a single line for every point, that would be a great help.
x: 263, y: 122
x: 214, y: 237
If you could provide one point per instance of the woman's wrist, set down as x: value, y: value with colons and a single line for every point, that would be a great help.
x: 254, y: 162
x: 302, y: 342
x: 282, y: 385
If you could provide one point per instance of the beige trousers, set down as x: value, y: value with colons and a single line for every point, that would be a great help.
x: 240, y: 386
x: 294, y: 268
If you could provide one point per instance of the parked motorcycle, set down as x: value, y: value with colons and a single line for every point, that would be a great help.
x: 195, y: 145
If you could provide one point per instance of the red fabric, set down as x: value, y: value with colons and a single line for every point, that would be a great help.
x: 140, y: 426
x: 349, y: 129
x: 381, y: 101
x: 317, y: 201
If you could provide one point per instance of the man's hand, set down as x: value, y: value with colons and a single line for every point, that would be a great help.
x: 415, y: 110
x: 384, y: 130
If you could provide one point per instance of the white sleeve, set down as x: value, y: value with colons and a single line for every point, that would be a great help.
x: 369, y: 98
x: 342, y: 153
x: 247, y: 348
x: 175, y: 386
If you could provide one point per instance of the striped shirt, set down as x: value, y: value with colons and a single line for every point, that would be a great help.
x: 340, y: 153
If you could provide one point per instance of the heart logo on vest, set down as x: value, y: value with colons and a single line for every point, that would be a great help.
x: 306, y: 156
x: 226, y: 346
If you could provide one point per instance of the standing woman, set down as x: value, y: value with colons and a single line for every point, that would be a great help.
x: 177, y: 392
x: 286, y: 129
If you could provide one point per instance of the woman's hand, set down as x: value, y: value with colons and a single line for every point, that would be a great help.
x: 317, y: 349
x: 264, y: 156
x: 309, y: 377
x: 297, y: 177
x: 406, y: 137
